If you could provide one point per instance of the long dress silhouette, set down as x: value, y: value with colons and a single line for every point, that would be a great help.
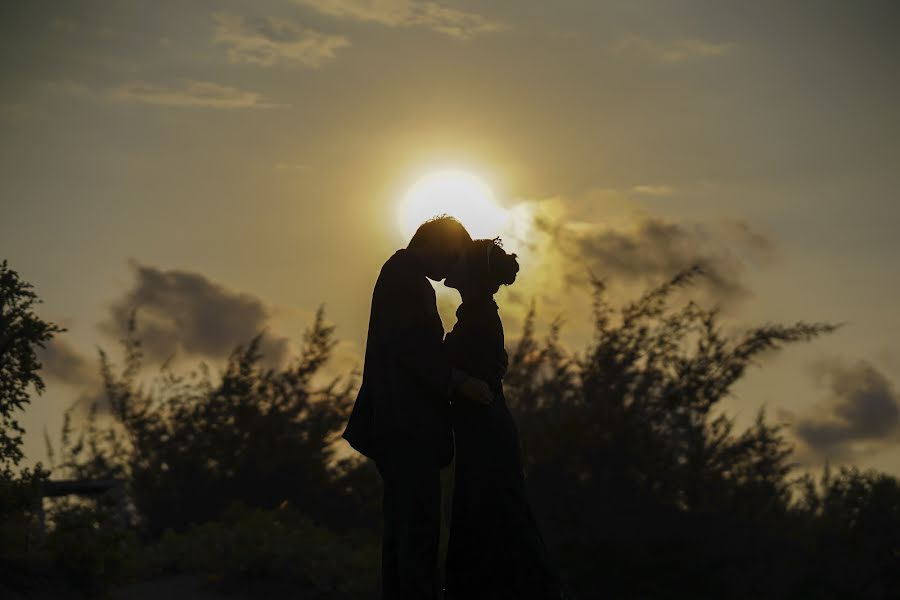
x: 495, y: 548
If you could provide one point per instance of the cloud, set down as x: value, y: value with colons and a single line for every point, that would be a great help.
x: 183, y: 93
x: 863, y: 411
x: 653, y: 190
x: 761, y: 249
x: 672, y: 52
x: 438, y: 17
x: 189, y: 93
x: 60, y: 361
x: 267, y: 41
x: 182, y: 311
x: 651, y: 250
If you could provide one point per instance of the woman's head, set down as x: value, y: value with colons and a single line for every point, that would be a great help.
x: 487, y: 267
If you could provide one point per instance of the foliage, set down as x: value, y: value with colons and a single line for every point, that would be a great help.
x: 191, y: 447
x: 853, y: 528
x: 629, y: 433
x: 18, y: 520
x: 21, y: 331
x: 283, y: 544
x: 89, y: 548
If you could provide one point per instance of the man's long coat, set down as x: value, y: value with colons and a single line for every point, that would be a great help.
x: 403, y: 401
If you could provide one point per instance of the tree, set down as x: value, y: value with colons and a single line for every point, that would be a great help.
x: 21, y: 333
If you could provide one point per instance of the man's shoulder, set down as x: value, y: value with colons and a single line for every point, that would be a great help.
x: 400, y: 265
x: 396, y: 260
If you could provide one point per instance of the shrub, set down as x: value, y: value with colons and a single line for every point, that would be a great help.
x: 250, y: 544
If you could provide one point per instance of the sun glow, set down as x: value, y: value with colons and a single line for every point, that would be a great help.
x: 457, y: 193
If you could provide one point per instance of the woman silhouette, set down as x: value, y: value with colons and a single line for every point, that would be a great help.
x: 495, y: 549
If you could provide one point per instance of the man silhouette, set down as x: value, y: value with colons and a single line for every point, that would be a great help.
x: 401, y: 415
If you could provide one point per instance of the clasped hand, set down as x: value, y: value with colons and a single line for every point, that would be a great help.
x: 476, y: 390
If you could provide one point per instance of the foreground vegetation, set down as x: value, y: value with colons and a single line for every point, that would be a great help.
x: 644, y: 488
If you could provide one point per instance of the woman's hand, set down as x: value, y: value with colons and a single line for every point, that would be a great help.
x: 475, y: 390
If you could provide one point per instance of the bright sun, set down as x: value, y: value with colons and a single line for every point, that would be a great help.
x: 456, y: 193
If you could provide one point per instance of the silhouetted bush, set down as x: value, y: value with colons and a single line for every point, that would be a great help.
x: 89, y: 549
x: 853, y: 534
x: 190, y: 447
x: 641, y: 483
x: 284, y: 545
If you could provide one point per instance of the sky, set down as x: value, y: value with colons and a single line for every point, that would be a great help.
x: 228, y: 167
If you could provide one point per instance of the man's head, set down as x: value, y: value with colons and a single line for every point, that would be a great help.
x: 440, y: 243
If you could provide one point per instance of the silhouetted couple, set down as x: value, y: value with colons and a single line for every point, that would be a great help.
x: 425, y: 397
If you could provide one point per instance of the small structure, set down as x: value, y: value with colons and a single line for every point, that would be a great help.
x: 82, y: 487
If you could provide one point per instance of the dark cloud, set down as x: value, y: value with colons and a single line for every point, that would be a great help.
x: 90, y: 398
x: 655, y: 249
x: 863, y: 408
x: 180, y: 311
x: 60, y: 361
x: 759, y: 248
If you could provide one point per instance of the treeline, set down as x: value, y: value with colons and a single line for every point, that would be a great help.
x: 643, y: 487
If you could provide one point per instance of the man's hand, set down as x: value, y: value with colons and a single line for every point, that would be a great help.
x: 474, y: 389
